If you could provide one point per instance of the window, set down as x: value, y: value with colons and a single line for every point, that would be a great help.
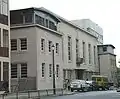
x: 5, y: 7
x: 50, y: 46
x: 77, y: 48
x: 13, y: 70
x: 43, y: 44
x: 83, y: 43
x: 24, y: 70
x: 57, y: 48
x: 46, y: 23
x: 52, y: 25
x: 89, y: 53
x: 43, y: 69
x: 94, y: 55
x: 50, y: 70
x: 28, y: 18
x: 13, y: 44
x: 5, y: 71
x: 23, y: 43
x: 69, y: 48
x: 104, y: 49
x: 57, y: 70
x: 5, y: 38
x: 39, y: 20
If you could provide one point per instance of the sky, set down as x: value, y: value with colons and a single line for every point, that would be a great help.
x: 106, y: 13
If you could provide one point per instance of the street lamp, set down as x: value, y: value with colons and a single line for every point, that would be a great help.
x: 53, y: 48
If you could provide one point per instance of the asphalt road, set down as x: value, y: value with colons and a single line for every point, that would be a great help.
x: 90, y: 95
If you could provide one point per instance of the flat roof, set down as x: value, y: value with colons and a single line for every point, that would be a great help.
x: 107, y: 45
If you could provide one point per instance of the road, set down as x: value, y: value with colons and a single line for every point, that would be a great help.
x: 90, y: 95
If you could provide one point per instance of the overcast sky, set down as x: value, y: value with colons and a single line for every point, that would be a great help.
x: 106, y: 13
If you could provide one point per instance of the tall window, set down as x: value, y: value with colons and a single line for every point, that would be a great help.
x: 104, y: 49
x: 89, y: 53
x: 50, y: 46
x: 50, y: 70
x: 77, y: 48
x: 43, y: 44
x: 69, y: 48
x: 52, y: 25
x: 23, y: 43
x: 14, y: 44
x: 94, y: 55
x: 46, y: 23
x: 24, y: 70
x: 43, y: 69
x: 13, y: 70
x: 57, y: 48
x: 4, y: 7
x: 57, y: 70
x: 83, y: 44
x: 5, y: 38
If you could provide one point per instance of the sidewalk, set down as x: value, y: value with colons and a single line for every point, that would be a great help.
x: 35, y: 94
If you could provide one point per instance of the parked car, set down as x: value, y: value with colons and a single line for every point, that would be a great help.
x: 118, y: 89
x: 79, y: 85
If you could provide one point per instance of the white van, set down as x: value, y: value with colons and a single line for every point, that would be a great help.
x: 79, y: 85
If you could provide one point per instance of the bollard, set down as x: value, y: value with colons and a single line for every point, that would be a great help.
x: 47, y: 92
x: 38, y: 93
x: 17, y: 95
x: 62, y: 91
x: 28, y: 94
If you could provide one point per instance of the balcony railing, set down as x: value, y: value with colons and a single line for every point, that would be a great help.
x: 4, y: 52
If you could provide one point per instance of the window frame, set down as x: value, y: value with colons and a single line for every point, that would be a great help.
x: 25, y: 45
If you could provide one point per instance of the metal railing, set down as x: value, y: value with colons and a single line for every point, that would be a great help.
x: 32, y: 94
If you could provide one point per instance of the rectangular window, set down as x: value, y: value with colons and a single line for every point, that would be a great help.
x: 13, y: 70
x: 46, y: 23
x: 52, y: 25
x: 39, y: 20
x: 84, y: 58
x: 5, y: 7
x: 13, y: 44
x: 57, y: 48
x: 5, y: 71
x: 89, y: 53
x: 57, y: 70
x: 23, y: 43
x: 104, y: 49
x: 43, y: 44
x: 43, y: 69
x: 50, y: 46
x: 94, y: 55
x: 24, y: 70
x: 50, y: 70
x: 69, y: 48
x: 77, y: 48
x: 5, y: 38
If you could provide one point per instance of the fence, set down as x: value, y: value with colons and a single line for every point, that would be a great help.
x: 32, y: 94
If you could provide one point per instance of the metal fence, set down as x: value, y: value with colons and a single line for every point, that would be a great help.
x: 32, y: 94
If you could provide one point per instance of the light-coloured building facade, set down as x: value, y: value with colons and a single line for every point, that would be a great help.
x: 79, y: 51
x: 31, y: 50
x: 4, y: 42
x: 92, y: 27
x: 77, y: 57
x: 107, y: 62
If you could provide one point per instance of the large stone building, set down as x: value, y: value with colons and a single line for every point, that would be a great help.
x: 107, y: 62
x: 33, y: 31
x: 4, y: 41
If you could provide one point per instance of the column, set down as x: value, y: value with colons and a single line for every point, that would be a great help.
x: 1, y: 37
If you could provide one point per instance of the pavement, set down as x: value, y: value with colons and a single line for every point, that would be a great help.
x: 89, y: 95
